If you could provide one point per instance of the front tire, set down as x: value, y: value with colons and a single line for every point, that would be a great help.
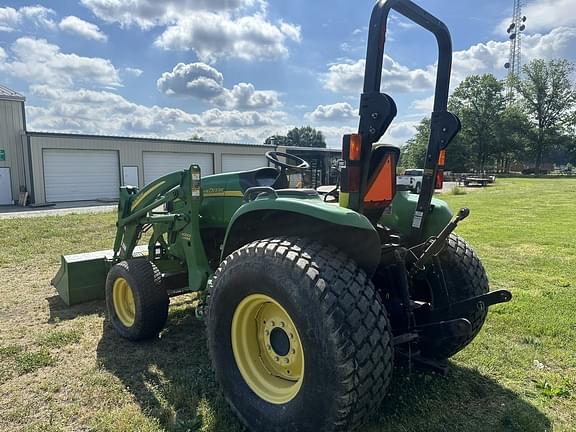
x: 136, y: 299
x: 298, y: 337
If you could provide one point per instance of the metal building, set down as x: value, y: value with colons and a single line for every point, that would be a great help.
x: 87, y: 167
x: 12, y: 160
x: 54, y: 167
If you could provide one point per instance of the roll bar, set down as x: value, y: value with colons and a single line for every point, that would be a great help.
x: 377, y: 39
x: 377, y: 110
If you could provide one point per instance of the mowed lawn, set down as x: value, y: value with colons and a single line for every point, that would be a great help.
x: 65, y: 369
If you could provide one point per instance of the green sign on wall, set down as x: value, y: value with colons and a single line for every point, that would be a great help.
x: 2, y: 155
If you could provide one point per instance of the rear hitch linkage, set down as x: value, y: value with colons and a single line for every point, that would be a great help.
x: 445, y: 321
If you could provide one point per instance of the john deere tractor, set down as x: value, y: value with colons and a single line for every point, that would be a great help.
x: 307, y: 302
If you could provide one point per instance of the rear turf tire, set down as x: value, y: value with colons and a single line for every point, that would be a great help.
x: 339, y: 321
x: 465, y: 278
x: 136, y: 299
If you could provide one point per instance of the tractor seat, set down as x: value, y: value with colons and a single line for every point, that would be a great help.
x: 266, y: 176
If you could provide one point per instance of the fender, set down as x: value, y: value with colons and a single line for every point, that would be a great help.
x: 285, y: 215
x: 399, y: 218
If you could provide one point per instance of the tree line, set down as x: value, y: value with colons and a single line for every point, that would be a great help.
x: 305, y: 136
x: 528, y: 121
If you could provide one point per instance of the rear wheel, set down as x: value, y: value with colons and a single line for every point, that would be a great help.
x: 298, y: 337
x: 418, y: 189
x: 136, y: 299
x: 465, y: 278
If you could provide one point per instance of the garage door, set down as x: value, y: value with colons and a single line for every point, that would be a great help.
x: 157, y: 164
x: 232, y: 162
x: 80, y: 175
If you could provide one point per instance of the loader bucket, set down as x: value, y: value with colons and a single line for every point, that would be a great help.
x: 82, y: 277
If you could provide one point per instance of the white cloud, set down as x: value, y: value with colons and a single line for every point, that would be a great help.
x: 37, y: 61
x: 12, y: 19
x: 133, y: 71
x: 104, y: 112
x: 210, y: 28
x: 423, y: 105
x: 151, y: 13
x: 544, y: 15
x: 205, y: 82
x: 485, y: 57
x: 212, y: 35
x: 245, y: 96
x: 291, y: 31
x: 489, y: 57
x: 348, y: 77
x: 101, y: 112
x: 195, y: 79
x: 341, y: 111
x: 77, y: 26
x: 216, y: 117
x: 400, y: 132
x: 254, y: 135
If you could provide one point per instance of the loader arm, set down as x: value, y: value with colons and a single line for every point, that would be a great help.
x: 175, y: 237
x: 134, y: 204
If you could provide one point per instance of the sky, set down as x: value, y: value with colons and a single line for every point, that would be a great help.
x: 242, y: 70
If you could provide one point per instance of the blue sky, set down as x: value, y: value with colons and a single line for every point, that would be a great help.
x: 241, y: 70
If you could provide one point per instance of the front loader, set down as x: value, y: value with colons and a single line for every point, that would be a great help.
x: 307, y: 303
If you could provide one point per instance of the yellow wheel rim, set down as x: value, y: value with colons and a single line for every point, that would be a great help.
x: 123, y: 300
x: 267, y: 349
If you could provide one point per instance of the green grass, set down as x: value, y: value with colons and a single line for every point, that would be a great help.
x: 65, y: 369
x: 27, y: 362
x: 59, y: 338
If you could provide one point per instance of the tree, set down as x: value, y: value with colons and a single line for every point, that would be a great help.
x: 549, y: 98
x: 414, y: 152
x: 277, y: 140
x: 196, y: 137
x: 299, y: 137
x: 512, y: 138
x: 480, y: 102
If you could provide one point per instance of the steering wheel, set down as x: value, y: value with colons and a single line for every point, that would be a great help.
x: 302, y: 165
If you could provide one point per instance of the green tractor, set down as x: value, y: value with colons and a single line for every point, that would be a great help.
x: 307, y: 302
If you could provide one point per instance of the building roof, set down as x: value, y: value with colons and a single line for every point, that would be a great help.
x: 8, y: 94
x: 137, y: 138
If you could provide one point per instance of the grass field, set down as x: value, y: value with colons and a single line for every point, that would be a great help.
x: 65, y: 369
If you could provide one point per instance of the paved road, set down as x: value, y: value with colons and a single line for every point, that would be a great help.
x: 80, y: 207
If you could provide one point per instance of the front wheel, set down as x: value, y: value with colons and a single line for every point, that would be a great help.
x: 136, y: 299
x: 418, y: 189
x: 298, y: 337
